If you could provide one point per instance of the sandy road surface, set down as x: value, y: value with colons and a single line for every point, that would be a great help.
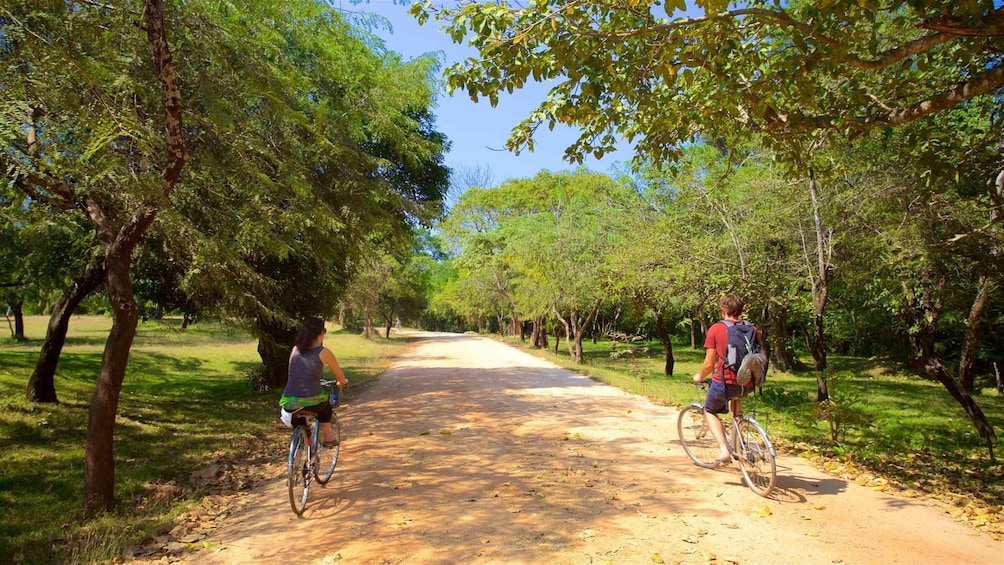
x: 468, y: 451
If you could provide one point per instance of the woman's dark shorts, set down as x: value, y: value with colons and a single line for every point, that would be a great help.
x: 323, y: 414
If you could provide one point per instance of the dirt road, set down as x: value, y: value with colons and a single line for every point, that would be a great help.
x: 468, y: 451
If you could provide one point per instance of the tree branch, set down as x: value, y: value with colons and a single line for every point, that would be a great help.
x: 945, y: 31
x: 979, y: 85
x: 29, y: 183
x: 990, y: 26
x: 153, y: 17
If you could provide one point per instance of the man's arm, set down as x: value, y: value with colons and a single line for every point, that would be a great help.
x: 710, y: 357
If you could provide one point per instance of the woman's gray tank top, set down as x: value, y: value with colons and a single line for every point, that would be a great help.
x: 305, y: 371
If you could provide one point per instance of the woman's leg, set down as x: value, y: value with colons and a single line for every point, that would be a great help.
x: 324, y: 422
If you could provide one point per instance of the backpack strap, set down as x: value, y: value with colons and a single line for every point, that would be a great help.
x: 728, y: 324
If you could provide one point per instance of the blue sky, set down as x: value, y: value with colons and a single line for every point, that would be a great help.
x: 477, y: 130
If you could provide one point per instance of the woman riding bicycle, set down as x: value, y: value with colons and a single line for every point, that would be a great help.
x: 303, y: 389
x: 723, y: 380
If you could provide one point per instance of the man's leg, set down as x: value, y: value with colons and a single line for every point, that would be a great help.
x: 717, y: 401
x: 718, y: 430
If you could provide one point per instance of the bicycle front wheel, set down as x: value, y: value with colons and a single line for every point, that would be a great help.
x: 756, y: 458
x: 328, y: 456
x: 696, y: 437
x: 298, y: 472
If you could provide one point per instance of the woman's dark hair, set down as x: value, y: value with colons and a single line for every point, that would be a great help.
x: 309, y: 331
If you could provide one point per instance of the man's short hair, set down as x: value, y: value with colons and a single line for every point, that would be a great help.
x: 732, y: 304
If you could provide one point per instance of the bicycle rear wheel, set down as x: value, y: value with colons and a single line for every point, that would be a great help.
x: 696, y: 437
x: 756, y: 458
x: 298, y: 472
x: 328, y: 456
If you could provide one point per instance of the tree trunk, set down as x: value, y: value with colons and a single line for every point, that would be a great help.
x: 575, y: 329
x: 697, y: 335
x: 924, y: 312
x: 667, y: 342
x: 693, y: 333
x: 812, y: 344
x: 538, y: 334
x: 99, y: 459
x: 781, y: 355
x: 16, y: 308
x: 275, y: 341
x: 568, y: 335
x: 367, y: 323
x: 820, y: 294
x: 971, y: 341
x: 580, y: 330
x: 935, y: 367
x: 41, y: 385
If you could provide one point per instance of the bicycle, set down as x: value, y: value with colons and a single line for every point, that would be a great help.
x: 309, y: 459
x: 747, y: 441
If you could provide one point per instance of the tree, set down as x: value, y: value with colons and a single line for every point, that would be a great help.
x: 466, y: 177
x: 324, y: 138
x: 933, y: 275
x: 12, y: 276
x: 54, y: 247
x: 621, y: 70
x: 122, y: 177
x: 330, y: 141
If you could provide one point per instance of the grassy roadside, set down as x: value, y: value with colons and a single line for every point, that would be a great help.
x: 185, y: 406
x: 887, y: 429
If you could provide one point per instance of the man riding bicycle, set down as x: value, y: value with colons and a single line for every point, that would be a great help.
x: 724, y: 385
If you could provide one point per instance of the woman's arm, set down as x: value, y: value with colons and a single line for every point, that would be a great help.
x: 328, y: 358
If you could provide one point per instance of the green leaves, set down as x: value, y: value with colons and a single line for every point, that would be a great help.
x: 303, y: 140
x: 831, y: 65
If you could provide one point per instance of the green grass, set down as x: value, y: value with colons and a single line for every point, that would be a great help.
x: 185, y: 404
x: 894, y: 424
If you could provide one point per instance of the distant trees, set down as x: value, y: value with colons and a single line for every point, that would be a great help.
x: 533, y: 250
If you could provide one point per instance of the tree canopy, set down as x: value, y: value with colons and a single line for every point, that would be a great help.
x: 657, y: 76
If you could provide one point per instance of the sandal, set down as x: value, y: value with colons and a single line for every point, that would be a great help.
x: 331, y: 443
x: 722, y: 461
